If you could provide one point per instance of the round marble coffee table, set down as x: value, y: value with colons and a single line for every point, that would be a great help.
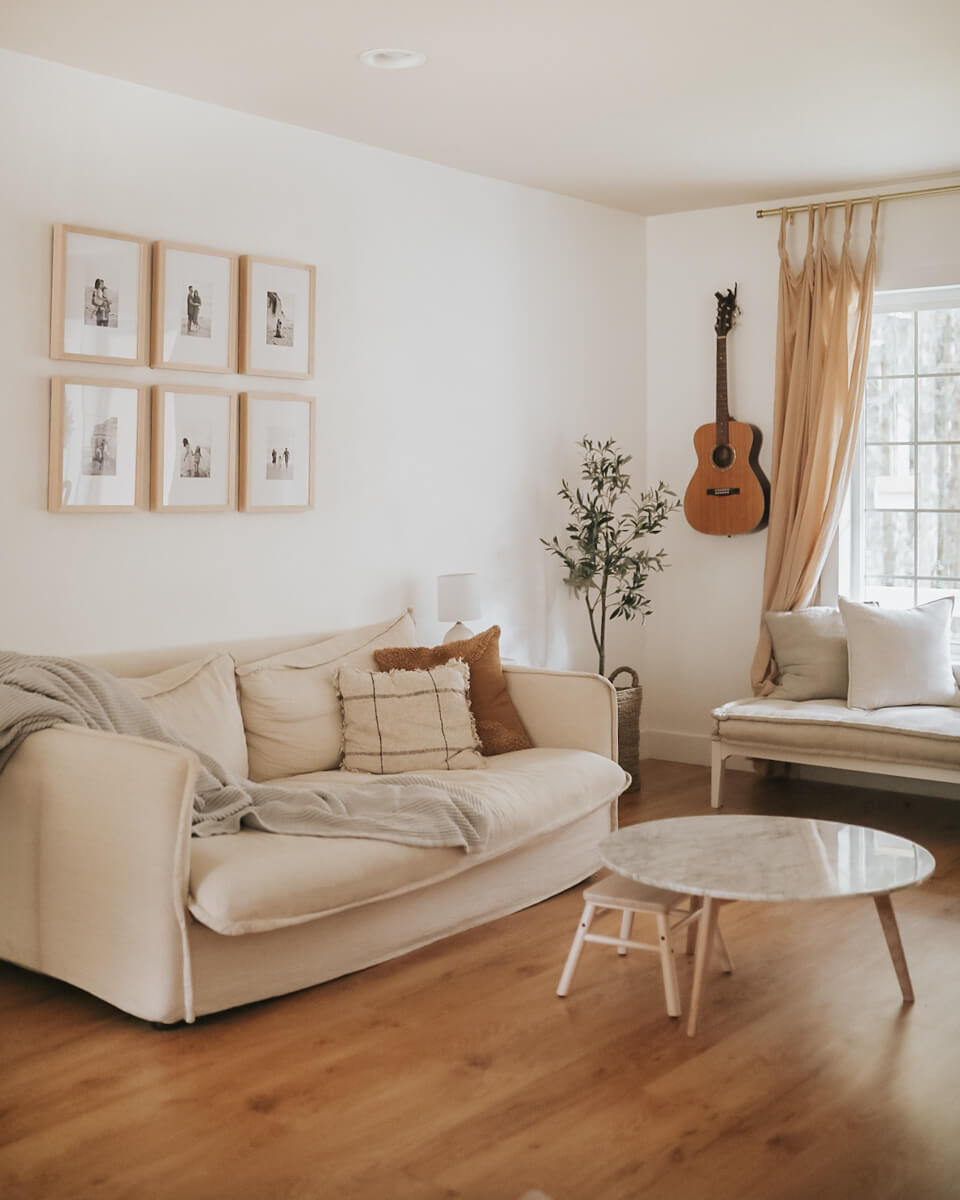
x: 724, y: 857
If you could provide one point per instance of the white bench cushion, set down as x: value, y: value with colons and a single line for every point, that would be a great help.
x: 927, y: 734
x: 252, y: 881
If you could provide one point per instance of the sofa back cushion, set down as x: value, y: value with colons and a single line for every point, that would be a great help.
x: 198, y: 700
x: 289, y: 701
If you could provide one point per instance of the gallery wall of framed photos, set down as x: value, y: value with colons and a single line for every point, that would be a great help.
x: 120, y: 446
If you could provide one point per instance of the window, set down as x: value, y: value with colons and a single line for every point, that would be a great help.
x: 903, y: 533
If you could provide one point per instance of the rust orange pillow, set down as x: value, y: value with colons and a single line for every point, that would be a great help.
x: 498, y: 722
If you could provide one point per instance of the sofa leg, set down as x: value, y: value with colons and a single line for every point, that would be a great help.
x: 717, y: 768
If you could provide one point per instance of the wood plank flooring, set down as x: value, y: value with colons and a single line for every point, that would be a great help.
x: 456, y: 1072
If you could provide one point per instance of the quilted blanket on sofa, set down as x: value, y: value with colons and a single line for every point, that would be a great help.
x: 38, y: 692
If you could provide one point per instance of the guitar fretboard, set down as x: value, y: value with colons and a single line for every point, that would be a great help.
x: 723, y: 414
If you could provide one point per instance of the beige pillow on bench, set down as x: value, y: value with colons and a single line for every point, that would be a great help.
x: 810, y: 648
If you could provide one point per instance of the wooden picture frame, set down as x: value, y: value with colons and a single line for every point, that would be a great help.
x: 195, y: 294
x: 99, y: 309
x: 98, y: 446
x: 277, y: 316
x: 194, y: 449
x: 277, y: 441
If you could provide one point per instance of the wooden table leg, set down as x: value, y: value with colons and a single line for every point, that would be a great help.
x: 708, y: 923
x: 891, y: 932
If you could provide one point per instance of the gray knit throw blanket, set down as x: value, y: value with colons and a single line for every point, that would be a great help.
x: 416, y: 810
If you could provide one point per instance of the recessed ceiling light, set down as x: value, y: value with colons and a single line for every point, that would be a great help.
x: 393, y: 60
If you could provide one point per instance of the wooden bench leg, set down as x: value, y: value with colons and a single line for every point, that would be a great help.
x: 717, y: 767
x: 574, y: 956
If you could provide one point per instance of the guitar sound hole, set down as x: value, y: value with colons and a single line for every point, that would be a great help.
x: 723, y: 457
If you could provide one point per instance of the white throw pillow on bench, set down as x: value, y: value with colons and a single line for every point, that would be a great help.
x: 899, y: 656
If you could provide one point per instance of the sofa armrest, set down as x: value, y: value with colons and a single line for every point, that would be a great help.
x: 571, y: 710
x: 94, y: 864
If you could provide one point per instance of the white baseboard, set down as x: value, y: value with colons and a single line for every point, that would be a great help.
x: 695, y: 748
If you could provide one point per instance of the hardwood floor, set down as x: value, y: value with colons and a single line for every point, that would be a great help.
x: 456, y: 1072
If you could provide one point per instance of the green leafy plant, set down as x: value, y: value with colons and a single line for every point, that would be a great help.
x: 604, y: 563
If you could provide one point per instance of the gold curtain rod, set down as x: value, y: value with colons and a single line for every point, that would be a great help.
x: 796, y: 208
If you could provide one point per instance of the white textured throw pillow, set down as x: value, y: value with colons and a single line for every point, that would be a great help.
x: 198, y: 700
x: 899, y: 656
x: 810, y: 649
x: 291, y: 710
x: 396, y: 721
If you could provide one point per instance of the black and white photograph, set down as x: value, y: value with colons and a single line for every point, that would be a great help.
x: 97, y: 460
x: 101, y: 305
x: 276, y: 317
x: 195, y: 292
x: 194, y: 449
x: 195, y: 321
x: 276, y: 452
x: 279, y: 458
x: 281, y: 313
x: 99, y: 310
x: 196, y: 452
x: 101, y: 446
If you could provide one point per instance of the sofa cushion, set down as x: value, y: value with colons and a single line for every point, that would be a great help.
x: 899, y: 656
x: 198, y: 700
x: 254, y: 881
x: 498, y: 722
x: 289, y: 701
x: 928, y: 734
x: 810, y: 648
x: 398, y: 721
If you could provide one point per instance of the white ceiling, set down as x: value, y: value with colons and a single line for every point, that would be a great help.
x: 648, y: 107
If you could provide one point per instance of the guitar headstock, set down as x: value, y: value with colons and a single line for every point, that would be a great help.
x: 727, y: 311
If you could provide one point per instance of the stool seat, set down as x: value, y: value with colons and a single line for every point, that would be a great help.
x: 672, y: 910
x: 617, y: 891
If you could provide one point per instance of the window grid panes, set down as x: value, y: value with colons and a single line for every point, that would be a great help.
x: 910, y: 522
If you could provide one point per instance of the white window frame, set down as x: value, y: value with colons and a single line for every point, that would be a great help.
x: 843, y: 571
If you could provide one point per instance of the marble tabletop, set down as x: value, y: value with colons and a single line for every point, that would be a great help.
x: 744, y: 857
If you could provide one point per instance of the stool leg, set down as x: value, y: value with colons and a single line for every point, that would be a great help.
x: 626, y: 928
x: 574, y: 956
x: 696, y: 903
x: 726, y: 962
x: 669, y: 966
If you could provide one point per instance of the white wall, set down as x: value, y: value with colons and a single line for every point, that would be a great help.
x: 699, y: 644
x: 468, y: 332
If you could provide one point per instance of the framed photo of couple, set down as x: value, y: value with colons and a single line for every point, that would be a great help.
x: 194, y: 308
x: 100, y: 296
x: 277, y: 317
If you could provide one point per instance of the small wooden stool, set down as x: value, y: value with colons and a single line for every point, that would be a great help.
x: 622, y: 894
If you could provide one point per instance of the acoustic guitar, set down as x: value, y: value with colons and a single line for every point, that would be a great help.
x: 728, y: 493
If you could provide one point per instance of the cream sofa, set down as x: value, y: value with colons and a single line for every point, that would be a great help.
x: 102, y: 885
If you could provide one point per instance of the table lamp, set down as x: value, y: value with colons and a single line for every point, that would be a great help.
x: 458, y: 599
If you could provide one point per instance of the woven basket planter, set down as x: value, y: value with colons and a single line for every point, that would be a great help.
x: 628, y: 719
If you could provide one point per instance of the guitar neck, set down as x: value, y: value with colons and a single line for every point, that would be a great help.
x: 723, y: 413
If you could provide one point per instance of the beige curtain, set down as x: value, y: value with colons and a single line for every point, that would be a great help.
x: 823, y: 328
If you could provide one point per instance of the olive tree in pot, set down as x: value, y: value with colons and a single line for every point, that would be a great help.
x: 608, y: 565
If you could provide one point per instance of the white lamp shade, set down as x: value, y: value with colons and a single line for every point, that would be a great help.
x: 458, y: 597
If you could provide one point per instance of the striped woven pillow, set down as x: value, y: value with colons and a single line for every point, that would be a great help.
x: 396, y: 721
